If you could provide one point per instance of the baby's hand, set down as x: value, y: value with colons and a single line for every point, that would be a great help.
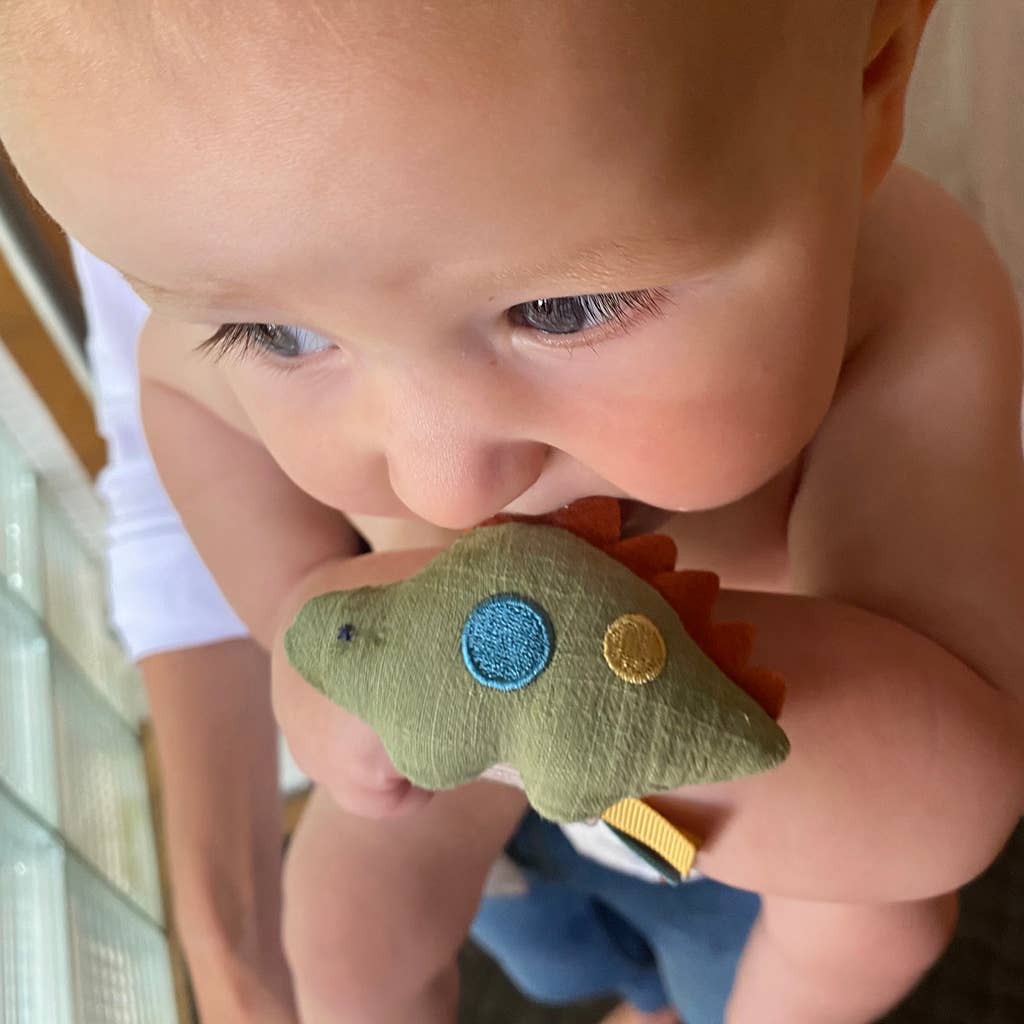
x: 334, y: 748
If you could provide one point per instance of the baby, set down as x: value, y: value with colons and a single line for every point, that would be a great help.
x: 414, y: 264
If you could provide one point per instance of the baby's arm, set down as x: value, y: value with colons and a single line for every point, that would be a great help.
x: 837, y: 963
x: 905, y: 711
x: 904, y: 781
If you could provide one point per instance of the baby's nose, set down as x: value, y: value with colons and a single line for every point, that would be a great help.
x: 455, y: 485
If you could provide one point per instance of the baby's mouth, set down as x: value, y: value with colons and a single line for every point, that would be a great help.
x: 638, y: 518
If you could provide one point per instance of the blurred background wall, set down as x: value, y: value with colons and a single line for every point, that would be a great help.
x: 965, y: 122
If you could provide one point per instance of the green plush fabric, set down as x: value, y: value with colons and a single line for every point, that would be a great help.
x: 580, y: 737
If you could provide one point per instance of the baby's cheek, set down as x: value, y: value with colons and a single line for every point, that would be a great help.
x: 674, y: 446
x: 707, y: 404
x: 306, y: 424
x: 340, y: 475
x: 677, y: 461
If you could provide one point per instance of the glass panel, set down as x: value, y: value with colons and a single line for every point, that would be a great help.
x: 120, y: 682
x: 103, y: 796
x: 19, y: 526
x: 26, y: 720
x: 75, y: 594
x: 76, y: 614
x: 34, y: 974
x: 120, y: 961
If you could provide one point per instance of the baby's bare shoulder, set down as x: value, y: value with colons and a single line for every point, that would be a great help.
x: 913, y: 490
x: 927, y: 281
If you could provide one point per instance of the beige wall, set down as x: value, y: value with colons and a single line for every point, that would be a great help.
x: 966, y: 116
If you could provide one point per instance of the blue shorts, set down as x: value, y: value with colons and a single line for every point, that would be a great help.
x: 584, y: 930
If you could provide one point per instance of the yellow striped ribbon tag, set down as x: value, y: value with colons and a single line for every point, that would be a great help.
x: 643, y: 823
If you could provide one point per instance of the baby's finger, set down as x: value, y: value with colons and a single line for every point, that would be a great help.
x: 363, y: 779
x: 397, y: 799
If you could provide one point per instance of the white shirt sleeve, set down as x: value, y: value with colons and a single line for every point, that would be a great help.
x: 162, y: 596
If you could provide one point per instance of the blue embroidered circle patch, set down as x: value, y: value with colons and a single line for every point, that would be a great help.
x: 507, y: 641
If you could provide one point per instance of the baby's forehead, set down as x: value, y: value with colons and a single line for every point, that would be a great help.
x: 375, y: 115
x: 700, y: 62
x: 368, y: 34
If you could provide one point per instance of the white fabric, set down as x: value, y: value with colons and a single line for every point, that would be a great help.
x: 161, y: 595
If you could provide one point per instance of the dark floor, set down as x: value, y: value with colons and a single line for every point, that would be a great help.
x: 980, y: 980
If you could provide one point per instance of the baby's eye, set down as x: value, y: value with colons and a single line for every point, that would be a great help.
x: 575, y: 314
x: 584, y: 315
x: 273, y: 339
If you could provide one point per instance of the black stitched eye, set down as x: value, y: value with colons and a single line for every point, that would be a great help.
x: 346, y: 633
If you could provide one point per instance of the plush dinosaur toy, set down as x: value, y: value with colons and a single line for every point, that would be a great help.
x: 550, y: 646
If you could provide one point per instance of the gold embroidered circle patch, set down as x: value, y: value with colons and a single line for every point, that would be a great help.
x: 635, y: 649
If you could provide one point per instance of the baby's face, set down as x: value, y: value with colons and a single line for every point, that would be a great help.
x: 514, y: 253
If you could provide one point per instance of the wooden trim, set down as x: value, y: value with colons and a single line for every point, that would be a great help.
x: 50, y: 234
x: 294, y: 805
x: 27, y: 339
x: 41, y: 362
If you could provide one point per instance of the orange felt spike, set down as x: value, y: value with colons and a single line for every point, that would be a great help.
x: 597, y: 520
x: 646, y: 555
x: 730, y: 645
x: 766, y: 687
x: 692, y: 594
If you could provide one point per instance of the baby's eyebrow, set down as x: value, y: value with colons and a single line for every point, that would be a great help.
x: 607, y: 262
x: 611, y: 264
x: 189, y: 296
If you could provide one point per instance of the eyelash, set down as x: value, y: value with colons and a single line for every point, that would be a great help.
x: 622, y: 313
x: 243, y: 341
